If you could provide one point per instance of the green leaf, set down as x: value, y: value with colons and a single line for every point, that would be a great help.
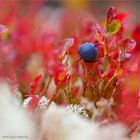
x: 113, y: 27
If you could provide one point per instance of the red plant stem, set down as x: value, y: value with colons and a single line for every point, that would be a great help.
x: 54, y: 97
x: 46, y: 86
x: 105, y: 54
x: 85, y: 79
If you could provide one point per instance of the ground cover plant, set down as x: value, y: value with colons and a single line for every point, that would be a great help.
x: 71, y: 79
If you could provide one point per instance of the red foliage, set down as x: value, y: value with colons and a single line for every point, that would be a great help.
x: 61, y: 78
x: 114, y: 73
x: 33, y: 85
x: 33, y: 103
x: 136, y: 36
x: 111, y: 14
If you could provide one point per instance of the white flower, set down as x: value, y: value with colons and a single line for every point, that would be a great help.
x: 77, y: 109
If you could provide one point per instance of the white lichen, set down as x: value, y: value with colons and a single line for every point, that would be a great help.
x: 26, y: 102
x: 43, y: 102
x: 14, y: 121
x: 77, y: 109
x: 58, y: 124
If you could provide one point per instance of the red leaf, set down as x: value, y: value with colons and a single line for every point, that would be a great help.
x: 66, y: 43
x: 128, y: 113
x: 72, y: 50
x: 127, y: 55
x: 121, y: 16
x: 61, y: 78
x: 37, y: 78
x: 33, y: 103
x: 33, y: 85
x: 32, y: 88
x: 3, y: 29
x: 128, y: 44
x: 111, y: 14
x: 99, y: 37
x: 98, y: 28
x: 136, y: 36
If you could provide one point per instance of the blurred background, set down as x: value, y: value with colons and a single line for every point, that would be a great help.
x: 96, y: 7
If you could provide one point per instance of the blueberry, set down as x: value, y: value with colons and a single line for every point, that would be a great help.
x: 88, y: 51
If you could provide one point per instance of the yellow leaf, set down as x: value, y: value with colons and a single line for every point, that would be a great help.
x: 113, y: 27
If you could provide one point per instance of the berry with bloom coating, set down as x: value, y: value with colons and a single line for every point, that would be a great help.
x: 88, y: 52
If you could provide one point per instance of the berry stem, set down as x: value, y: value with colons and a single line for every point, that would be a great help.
x: 97, y: 43
x: 85, y: 79
x: 78, y: 60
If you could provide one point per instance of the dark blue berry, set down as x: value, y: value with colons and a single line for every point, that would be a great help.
x: 88, y: 52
